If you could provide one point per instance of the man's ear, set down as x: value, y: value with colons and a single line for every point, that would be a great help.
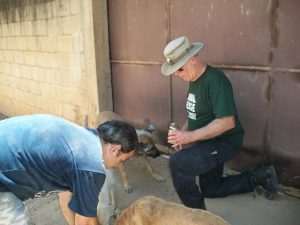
x: 115, y: 149
x: 193, y: 59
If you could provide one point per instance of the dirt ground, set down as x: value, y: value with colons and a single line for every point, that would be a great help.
x: 246, y: 209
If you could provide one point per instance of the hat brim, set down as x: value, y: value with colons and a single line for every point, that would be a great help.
x: 167, y: 69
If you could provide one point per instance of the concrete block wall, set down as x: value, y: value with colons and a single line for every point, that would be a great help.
x: 47, y: 59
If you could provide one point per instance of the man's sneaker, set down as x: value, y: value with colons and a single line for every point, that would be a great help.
x: 266, y: 178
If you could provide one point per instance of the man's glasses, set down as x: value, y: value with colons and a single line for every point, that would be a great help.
x: 180, y: 69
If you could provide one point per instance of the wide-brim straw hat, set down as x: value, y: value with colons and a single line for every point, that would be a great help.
x: 177, y: 53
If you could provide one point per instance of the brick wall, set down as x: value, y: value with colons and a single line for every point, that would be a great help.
x: 47, y: 58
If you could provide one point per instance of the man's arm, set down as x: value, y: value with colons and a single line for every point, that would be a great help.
x: 71, y: 217
x: 211, y: 130
x: 83, y: 220
x: 64, y: 199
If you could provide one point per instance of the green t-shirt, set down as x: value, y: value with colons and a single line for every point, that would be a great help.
x: 211, y: 97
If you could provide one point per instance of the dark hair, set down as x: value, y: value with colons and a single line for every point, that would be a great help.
x: 118, y: 132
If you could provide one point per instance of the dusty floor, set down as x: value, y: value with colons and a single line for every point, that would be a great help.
x: 246, y: 209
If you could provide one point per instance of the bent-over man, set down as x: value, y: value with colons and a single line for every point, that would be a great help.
x: 41, y: 154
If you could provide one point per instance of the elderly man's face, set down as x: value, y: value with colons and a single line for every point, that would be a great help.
x: 187, y: 71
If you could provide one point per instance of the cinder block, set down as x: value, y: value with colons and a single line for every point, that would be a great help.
x: 37, y: 74
x: 22, y: 43
x: 6, y: 68
x: 48, y: 90
x: 4, y: 30
x: 48, y: 44
x: 9, y: 56
x: 71, y: 24
x: 11, y: 29
x: 82, y: 100
x: 28, y: 12
x: 24, y: 85
x: 54, y: 60
x: 19, y: 58
x: 26, y: 72
x: 65, y: 44
x: 45, y: 61
x: 51, y: 76
x: 68, y: 111
x: 41, y: 11
x: 27, y: 28
x: 78, y: 45
x: 29, y: 58
x: 3, y: 80
x: 76, y: 63
x: 21, y: 96
x: 11, y: 43
x: 39, y: 27
x: 32, y: 43
x: 3, y: 45
x: 52, y: 106
x: 17, y: 29
x: 35, y: 101
x: 40, y: 59
x: 67, y: 94
x: 67, y: 79
x: 6, y: 103
x: 75, y: 7
x: 35, y: 88
x: 24, y: 109
x: 8, y: 91
x: 63, y: 60
x: 62, y: 7
x: 54, y: 27
x: 15, y: 70
x: 48, y: 8
x: 13, y: 82
x: 54, y: 9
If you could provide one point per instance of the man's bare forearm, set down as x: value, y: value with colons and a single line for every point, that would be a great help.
x: 214, y: 128
x: 64, y: 199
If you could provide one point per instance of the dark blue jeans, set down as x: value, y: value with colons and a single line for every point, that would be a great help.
x: 206, y: 160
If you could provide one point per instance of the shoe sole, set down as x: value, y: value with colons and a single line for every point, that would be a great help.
x: 271, y: 195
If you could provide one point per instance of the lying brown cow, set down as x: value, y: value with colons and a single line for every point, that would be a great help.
x: 151, y: 210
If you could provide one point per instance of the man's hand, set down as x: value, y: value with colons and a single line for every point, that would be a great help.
x: 179, y: 138
x: 71, y: 217
x: 174, y: 137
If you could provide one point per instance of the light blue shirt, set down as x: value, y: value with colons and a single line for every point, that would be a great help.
x: 40, y: 154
